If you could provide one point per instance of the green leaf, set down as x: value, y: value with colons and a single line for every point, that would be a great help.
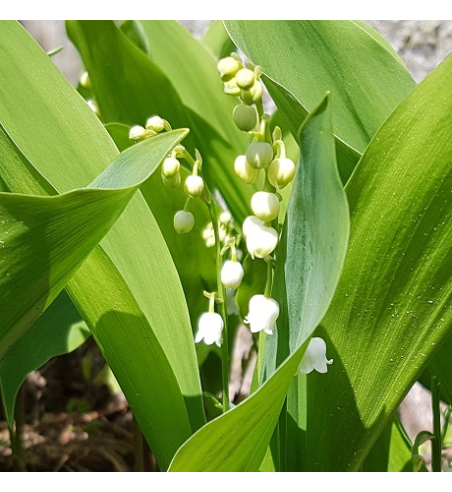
x: 128, y: 290
x: 129, y: 88
x: 392, y: 306
x: 59, y: 330
x: 217, y: 40
x: 238, y: 440
x: 46, y: 239
x: 391, y: 452
x: 309, y: 58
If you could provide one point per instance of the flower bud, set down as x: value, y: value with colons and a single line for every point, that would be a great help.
x: 281, y: 172
x: 231, y: 88
x: 225, y: 217
x: 172, y: 182
x: 247, y: 173
x: 245, y: 78
x: 245, y: 117
x: 232, y: 274
x: 137, y: 132
x: 265, y: 205
x: 262, y: 315
x: 84, y: 80
x: 170, y: 167
x: 252, y: 95
x: 315, y: 357
x: 210, y: 326
x: 227, y: 68
x: 261, y: 240
x: 155, y: 123
x: 184, y: 222
x: 259, y: 154
x: 194, y: 186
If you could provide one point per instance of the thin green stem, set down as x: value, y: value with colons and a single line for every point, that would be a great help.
x: 221, y: 309
x: 16, y: 433
x: 436, y: 442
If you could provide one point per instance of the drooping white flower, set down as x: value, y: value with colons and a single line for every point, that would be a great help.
x: 263, y: 313
x: 184, y: 222
x: 194, y: 186
x: 137, y: 132
x: 281, y: 172
x: 232, y: 274
x: 244, y: 171
x: 210, y: 326
x: 155, y: 123
x: 315, y: 357
x: 261, y: 240
x: 264, y: 205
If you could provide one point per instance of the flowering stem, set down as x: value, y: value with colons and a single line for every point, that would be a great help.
x: 221, y: 309
x: 437, y: 440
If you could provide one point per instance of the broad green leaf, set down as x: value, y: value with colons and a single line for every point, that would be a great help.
x: 45, y: 239
x: 391, y: 452
x: 128, y: 290
x: 59, y: 330
x: 392, y: 306
x: 309, y: 58
x: 179, y: 83
x: 217, y: 40
x: 310, y: 257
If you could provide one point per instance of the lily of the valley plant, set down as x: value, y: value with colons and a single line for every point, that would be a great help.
x: 166, y: 209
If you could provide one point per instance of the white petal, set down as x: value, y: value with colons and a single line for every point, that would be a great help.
x: 315, y: 357
x: 210, y: 326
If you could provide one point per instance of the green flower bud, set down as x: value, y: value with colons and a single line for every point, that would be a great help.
x: 170, y: 167
x: 194, y: 186
x: 231, y: 88
x: 155, y: 123
x: 281, y: 172
x: 245, y: 78
x: 184, y: 222
x: 173, y: 182
x: 228, y: 67
x: 259, y: 154
x: 245, y: 117
x: 137, y: 132
x: 253, y: 95
x: 245, y: 172
x: 265, y: 206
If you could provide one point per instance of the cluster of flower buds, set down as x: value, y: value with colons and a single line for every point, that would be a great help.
x: 154, y: 125
x: 225, y: 230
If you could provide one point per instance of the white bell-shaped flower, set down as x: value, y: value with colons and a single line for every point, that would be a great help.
x: 315, y: 357
x: 232, y: 274
x: 262, y: 315
x: 265, y: 205
x: 155, y: 123
x: 184, y: 222
x: 261, y: 240
x: 137, y: 132
x: 210, y: 326
x: 170, y: 167
x: 244, y: 171
x: 194, y: 186
x: 281, y: 172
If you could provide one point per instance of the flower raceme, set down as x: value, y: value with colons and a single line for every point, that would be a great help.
x: 210, y: 326
x: 262, y: 315
x: 315, y: 357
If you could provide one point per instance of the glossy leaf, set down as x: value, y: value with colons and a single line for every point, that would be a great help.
x: 128, y: 290
x: 238, y: 440
x: 59, y: 330
x: 392, y: 306
x: 311, y: 57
